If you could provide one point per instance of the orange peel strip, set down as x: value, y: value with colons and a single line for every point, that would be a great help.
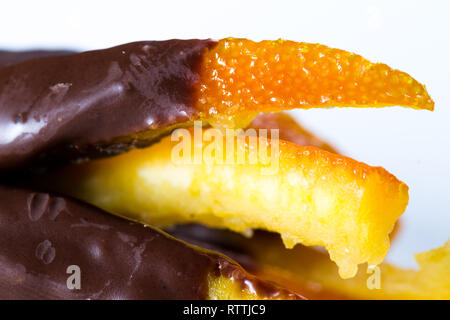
x: 314, y: 198
x: 305, y: 267
x: 240, y: 78
x: 289, y: 129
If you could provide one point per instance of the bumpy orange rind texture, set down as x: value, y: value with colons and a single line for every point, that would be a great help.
x: 240, y: 78
x: 308, y: 195
x: 311, y: 271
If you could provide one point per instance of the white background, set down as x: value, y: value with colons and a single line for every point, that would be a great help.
x: 409, y: 35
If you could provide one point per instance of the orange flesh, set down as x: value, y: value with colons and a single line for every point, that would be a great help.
x: 242, y: 77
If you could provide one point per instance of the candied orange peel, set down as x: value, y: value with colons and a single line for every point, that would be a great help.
x: 314, y: 198
x: 240, y: 78
x: 309, y: 268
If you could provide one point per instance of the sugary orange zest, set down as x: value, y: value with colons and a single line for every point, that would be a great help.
x: 240, y: 78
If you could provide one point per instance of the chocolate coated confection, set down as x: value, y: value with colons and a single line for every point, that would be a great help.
x: 97, y: 102
x: 42, y: 235
x: 8, y: 58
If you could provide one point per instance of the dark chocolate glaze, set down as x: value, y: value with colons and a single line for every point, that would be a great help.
x: 42, y: 235
x: 96, y: 103
x: 8, y: 58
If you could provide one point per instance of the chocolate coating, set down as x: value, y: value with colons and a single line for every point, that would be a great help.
x: 96, y: 103
x: 8, y: 58
x: 42, y: 235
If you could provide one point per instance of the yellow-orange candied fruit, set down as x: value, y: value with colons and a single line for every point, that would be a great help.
x: 240, y: 76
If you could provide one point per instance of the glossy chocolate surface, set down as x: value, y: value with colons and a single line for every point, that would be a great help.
x: 96, y: 103
x: 42, y: 235
x: 8, y: 58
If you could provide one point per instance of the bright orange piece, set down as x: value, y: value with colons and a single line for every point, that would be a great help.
x: 243, y: 77
x: 307, y: 195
